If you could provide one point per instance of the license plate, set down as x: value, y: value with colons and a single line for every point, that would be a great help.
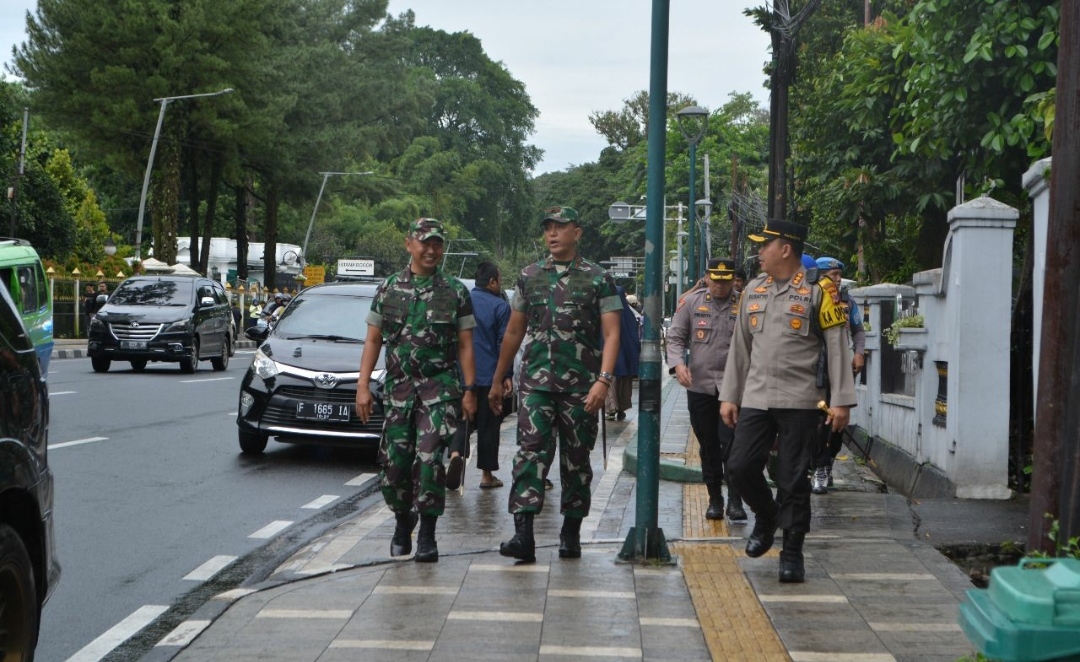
x: 132, y: 344
x: 323, y: 411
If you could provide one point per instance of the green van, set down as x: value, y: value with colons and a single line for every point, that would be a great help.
x: 21, y: 272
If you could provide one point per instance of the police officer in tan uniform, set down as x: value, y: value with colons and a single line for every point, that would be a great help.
x: 697, y: 350
x: 771, y: 388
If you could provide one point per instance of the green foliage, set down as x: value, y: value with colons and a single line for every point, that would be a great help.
x: 892, y: 334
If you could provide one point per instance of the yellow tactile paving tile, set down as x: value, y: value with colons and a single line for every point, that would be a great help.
x: 733, y: 621
x: 695, y: 503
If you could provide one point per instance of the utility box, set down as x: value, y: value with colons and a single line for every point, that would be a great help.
x: 1029, y: 613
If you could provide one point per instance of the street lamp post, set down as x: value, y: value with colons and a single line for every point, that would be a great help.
x: 706, y: 235
x: 693, y: 120
x: 311, y: 223
x: 150, y: 162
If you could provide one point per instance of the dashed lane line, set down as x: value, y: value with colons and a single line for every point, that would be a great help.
x: 210, y: 568
x: 61, y: 393
x: 321, y: 502
x: 271, y: 529
x: 118, y: 634
x: 77, y: 442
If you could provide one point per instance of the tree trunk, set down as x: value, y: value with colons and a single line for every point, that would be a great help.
x: 166, y: 203
x: 270, y: 251
x: 193, y: 214
x: 213, y: 186
x: 240, y: 219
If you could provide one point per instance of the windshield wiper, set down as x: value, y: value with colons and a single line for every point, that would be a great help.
x: 334, y: 338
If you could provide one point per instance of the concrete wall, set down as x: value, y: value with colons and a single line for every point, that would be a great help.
x: 966, y: 305
x: 1037, y: 182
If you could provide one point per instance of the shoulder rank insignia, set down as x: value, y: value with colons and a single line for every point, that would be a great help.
x: 797, y: 279
x: 768, y: 281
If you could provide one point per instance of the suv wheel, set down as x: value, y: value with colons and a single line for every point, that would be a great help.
x: 189, y: 364
x: 252, y: 443
x: 138, y: 365
x: 222, y: 362
x: 18, y: 598
x: 100, y: 363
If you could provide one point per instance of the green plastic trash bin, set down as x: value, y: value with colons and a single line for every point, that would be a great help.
x: 1029, y: 613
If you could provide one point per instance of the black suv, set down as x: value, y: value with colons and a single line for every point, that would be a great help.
x: 28, y: 566
x: 174, y: 319
x: 301, y: 387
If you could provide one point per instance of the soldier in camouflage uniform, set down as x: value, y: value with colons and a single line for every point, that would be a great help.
x: 561, y: 307
x: 425, y: 320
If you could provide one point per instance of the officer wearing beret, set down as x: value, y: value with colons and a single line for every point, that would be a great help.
x: 771, y: 389
x: 562, y: 306
x: 697, y: 350
x: 425, y: 319
x: 833, y: 269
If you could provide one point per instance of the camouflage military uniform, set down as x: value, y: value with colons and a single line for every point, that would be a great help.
x: 562, y: 305
x: 419, y: 319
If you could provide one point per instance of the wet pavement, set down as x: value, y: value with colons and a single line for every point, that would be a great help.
x: 874, y: 590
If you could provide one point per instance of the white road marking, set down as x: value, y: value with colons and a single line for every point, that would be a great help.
x: 503, y: 616
x: 406, y: 645
x: 271, y: 529
x: 210, y: 568
x: 359, y: 480
x: 77, y: 442
x: 321, y: 501
x: 200, y: 381
x: 305, y: 613
x: 234, y: 594
x: 231, y: 414
x: 62, y: 393
x: 184, y: 633
x: 591, y: 651
x: 118, y: 634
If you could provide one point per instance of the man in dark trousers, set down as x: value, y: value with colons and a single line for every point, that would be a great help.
x: 492, y: 313
x: 562, y: 305
x: 697, y: 349
x: 424, y: 319
x: 772, y: 385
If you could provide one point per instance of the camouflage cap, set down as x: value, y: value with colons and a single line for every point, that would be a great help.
x: 560, y: 215
x: 427, y: 228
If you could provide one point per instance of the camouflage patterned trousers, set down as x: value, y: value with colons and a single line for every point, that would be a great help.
x: 542, y: 415
x: 411, y: 456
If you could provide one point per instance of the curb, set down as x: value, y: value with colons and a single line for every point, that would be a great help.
x: 669, y: 470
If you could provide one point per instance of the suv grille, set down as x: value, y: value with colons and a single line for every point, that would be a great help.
x: 130, y: 332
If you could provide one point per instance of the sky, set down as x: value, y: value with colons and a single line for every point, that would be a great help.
x: 577, y: 57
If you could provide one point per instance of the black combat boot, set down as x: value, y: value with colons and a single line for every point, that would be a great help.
x: 570, y: 538
x: 522, y: 546
x: 716, y: 501
x: 401, y: 543
x: 736, y: 514
x: 792, y: 570
x: 426, y: 549
x: 764, y: 533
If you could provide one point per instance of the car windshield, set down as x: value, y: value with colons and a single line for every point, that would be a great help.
x: 153, y: 293
x: 328, y: 316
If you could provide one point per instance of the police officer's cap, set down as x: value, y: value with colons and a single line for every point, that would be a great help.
x: 423, y: 229
x: 560, y: 214
x: 721, y: 268
x: 829, y: 263
x: 777, y: 229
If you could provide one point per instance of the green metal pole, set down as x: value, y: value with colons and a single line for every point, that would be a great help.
x: 646, y: 540
x: 693, y: 265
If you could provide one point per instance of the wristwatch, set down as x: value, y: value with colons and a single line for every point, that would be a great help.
x: 608, y: 376
x: 470, y: 388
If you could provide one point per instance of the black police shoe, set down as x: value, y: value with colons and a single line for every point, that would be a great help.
x: 762, y: 537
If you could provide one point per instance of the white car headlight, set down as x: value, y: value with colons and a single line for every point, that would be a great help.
x: 263, y: 365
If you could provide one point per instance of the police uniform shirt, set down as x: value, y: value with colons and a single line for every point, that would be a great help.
x: 704, y: 325
x: 780, y: 328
